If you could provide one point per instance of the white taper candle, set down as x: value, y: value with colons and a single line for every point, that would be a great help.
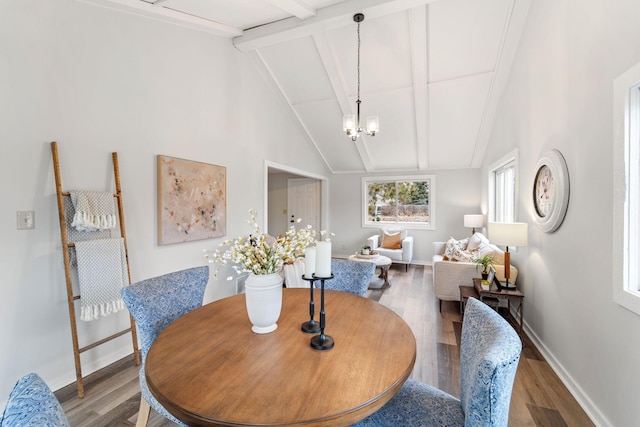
x: 309, y: 261
x: 323, y: 259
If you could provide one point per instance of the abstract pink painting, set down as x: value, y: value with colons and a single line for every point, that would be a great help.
x: 191, y: 200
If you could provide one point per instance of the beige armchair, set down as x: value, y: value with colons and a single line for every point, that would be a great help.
x: 394, y: 244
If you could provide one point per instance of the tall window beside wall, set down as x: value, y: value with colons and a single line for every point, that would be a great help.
x: 626, y: 191
x: 502, y: 188
x: 403, y: 201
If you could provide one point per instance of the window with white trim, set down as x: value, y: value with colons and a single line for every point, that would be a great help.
x: 626, y: 180
x: 503, y: 188
x: 402, y: 201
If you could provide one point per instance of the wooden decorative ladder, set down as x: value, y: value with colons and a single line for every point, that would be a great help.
x: 67, y: 247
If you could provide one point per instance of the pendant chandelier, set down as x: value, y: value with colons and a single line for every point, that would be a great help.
x: 351, y: 122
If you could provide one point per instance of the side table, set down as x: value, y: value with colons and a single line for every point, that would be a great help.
x: 380, y: 261
x: 500, y: 294
x: 465, y: 293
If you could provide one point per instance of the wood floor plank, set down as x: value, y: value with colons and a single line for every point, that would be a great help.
x: 562, y: 400
x: 539, y: 398
x: 546, y: 417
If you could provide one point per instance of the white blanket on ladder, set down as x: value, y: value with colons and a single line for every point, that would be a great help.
x: 94, y: 210
x: 102, y: 272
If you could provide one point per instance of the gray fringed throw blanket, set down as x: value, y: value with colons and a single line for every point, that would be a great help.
x: 94, y: 210
x: 102, y: 272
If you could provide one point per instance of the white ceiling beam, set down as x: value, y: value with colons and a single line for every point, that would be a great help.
x: 159, y: 13
x: 512, y: 33
x: 419, y: 69
x: 295, y: 8
x: 330, y: 17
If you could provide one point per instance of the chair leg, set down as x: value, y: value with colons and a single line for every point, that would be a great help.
x: 143, y: 413
x: 406, y: 268
x: 440, y: 305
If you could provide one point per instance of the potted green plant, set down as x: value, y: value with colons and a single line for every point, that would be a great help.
x: 485, y: 261
x: 366, y: 249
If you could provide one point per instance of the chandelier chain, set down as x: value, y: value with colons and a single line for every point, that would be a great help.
x: 351, y: 122
x: 358, y: 61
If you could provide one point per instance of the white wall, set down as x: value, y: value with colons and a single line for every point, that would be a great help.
x: 560, y: 96
x: 457, y: 193
x: 99, y: 81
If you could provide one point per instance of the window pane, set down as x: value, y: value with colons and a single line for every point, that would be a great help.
x: 381, y: 201
x: 504, y: 193
x: 392, y: 201
x: 413, y: 201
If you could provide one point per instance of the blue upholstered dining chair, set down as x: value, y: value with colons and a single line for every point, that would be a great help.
x: 349, y: 276
x: 32, y: 404
x: 489, y: 355
x: 154, y: 304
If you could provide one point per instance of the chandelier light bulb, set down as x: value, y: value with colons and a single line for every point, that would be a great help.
x: 349, y: 123
x: 373, y: 125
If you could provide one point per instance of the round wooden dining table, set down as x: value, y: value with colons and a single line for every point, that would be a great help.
x: 209, y: 369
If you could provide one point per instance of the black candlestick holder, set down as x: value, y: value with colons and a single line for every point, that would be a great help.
x: 322, y: 341
x: 311, y: 326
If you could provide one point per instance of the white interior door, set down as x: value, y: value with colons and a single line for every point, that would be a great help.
x: 303, y: 201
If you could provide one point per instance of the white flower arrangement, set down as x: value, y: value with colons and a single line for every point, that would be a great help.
x: 259, y: 253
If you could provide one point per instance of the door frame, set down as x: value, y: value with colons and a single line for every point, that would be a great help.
x: 324, y: 191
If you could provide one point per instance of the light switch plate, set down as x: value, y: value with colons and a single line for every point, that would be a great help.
x: 26, y: 220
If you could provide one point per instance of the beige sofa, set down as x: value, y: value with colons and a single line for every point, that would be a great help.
x: 449, y: 274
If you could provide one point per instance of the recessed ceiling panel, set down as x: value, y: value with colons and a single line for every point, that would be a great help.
x: 244, y: 13
x: 323, y: 121
x: 297, y: 68
x: 385, y: 54
x: 394, y: 147
x: 465, y: 36
x: 456, y: 108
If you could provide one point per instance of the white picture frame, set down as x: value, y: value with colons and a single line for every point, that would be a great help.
x: 491, y: 276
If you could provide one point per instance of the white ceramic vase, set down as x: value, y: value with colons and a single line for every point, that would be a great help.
x: 263, y: 293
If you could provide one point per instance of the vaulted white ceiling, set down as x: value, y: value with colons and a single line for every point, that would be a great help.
x: 433, y: 71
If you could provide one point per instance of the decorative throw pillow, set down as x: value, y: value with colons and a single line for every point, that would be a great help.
x: 487, y: 248
x: 391, y: 241
x: 450, y: 248
x: 462, y: 256
x: 382, y: 232
x: 475, y: 240
x: 463, y: 244
x: 32, y: 404
x: 455, y: 250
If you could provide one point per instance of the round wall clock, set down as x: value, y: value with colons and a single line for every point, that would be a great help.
x: 550, y: 191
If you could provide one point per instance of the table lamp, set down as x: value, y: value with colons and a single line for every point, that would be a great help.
x: 473, y: 221
x: 508, y: 234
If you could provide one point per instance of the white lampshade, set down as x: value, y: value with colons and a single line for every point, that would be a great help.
x: 373, y: 125
x: 473, y: 221
x: 349, y: 123
x: 508, y: 233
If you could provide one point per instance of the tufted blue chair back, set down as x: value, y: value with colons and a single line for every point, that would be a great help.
x: 349, y: 276
x: 489, y: 355
x: 155, y: 303
x: 32, y: 404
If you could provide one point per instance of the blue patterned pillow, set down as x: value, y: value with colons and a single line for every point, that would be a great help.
x: 32, y: 404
